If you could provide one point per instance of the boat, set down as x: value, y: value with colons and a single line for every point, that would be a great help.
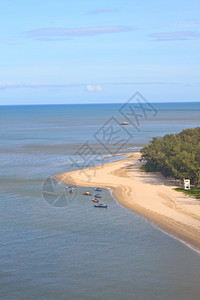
x: 124, y: 123
x: 101, y: 205
x: 95, y: 200
x: 87, y: 194
x: 71, y: 187
x: 71, y: 191
x: 97, y: 196
x: 98, y: 189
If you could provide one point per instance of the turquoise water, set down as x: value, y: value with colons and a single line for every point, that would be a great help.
x: 77, y: 251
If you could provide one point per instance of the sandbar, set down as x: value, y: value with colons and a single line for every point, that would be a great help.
x: 147, y: 194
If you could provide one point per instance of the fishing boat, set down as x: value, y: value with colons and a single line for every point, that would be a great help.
x: 87, y: 194
x: 97, y: 196
x: 95, y: 200
x: 97, y: 189
x: 101, y: 205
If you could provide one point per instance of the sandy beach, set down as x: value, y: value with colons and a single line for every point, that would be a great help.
x: 147, y: 194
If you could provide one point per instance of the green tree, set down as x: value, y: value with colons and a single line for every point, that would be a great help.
x: 175, y: 155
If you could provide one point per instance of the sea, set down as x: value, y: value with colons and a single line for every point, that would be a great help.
x: 56, y: 245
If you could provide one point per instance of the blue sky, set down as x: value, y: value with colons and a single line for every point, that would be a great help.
x: 99, y: 51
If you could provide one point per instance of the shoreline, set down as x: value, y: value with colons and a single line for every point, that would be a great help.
x: 147, y: 194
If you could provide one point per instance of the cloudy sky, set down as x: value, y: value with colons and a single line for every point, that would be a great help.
x: 99, y: 51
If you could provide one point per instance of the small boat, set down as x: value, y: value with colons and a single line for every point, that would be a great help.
x: 95, y: 200
x: 97, y: 189
x: 124, y: 123
x: 101, y: 205
x: 71, y: 191
x: 87, y: 194
x: 97, y: 196
x: 71, y: 187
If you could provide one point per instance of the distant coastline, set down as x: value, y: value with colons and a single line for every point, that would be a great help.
x: 147, y: 194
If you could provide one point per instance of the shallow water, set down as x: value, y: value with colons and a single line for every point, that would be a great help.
x: 78, y: 251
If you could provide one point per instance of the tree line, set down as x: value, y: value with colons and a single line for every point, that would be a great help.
x: 175, y: 155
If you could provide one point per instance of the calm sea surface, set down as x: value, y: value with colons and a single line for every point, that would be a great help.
x: 78, y: 251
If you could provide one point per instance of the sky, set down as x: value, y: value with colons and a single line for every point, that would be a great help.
x: 60, y: 52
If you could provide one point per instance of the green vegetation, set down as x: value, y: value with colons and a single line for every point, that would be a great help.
x: 175, y: 155
x: 192, y: 192
x: 144, y: 168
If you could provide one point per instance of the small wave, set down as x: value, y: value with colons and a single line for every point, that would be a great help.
x: 134, y: 148
x: 190, y: 246
x: 187, y: 244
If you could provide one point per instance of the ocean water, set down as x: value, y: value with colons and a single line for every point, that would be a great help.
x: 76, y: 251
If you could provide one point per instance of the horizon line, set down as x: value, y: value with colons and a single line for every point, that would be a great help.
x: 99, y: 103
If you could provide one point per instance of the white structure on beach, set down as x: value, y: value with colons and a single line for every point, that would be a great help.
x: 186, y: 184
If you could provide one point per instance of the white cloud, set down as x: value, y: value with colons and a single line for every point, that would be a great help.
x: 175, y: 35
x: 57, y: 33
x: 36, y: 85
x: 89, y: 87
x: 94, y: 88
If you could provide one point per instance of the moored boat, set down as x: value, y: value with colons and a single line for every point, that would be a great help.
x: 95, y: 200
x: 71, y: 187
x: 98, y: 189
x: 87, y: 194
x: 97, y: 196
x: 101, y: 205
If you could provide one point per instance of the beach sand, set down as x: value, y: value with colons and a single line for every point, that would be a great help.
x: 147, y: 194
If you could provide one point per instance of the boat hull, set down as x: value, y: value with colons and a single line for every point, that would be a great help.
x: 101, y: 206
